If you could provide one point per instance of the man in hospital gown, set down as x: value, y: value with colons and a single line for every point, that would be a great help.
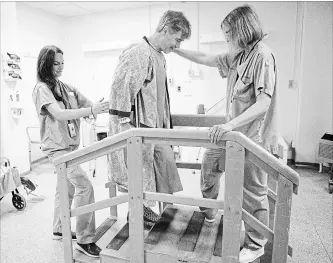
x: 141, y: 76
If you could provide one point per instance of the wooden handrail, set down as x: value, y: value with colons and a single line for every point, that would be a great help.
x: 197, y: 120
x: 238, y: 148
x: 200, y: 139
x: 95, y: 147
x: 197, y: 138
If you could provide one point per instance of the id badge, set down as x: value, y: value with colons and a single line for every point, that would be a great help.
x: 71, y: 129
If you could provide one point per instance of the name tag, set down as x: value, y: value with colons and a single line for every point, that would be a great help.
x: 71, y: 129
x: 70, y: 93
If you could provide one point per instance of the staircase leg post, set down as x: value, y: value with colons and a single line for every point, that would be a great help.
x: 65, y: 213
x: 282, y: 220
x: 233, y: 201
x: 135, y: 199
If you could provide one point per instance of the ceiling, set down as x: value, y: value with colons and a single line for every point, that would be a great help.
x: 71, y: 9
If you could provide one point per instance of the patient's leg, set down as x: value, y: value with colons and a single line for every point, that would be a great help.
x: 166, y: 172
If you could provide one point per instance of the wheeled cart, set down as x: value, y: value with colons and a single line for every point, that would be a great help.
x: 325, y: 154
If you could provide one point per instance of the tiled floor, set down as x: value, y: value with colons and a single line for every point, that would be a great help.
x: 26, y: 235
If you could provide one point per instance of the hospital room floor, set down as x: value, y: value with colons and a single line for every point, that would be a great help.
x: 26, y: 236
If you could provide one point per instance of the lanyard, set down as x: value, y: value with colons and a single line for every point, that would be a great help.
x: 62, y: 96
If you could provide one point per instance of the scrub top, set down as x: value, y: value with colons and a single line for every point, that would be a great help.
x: 54, y: 134
x: 248, y: 77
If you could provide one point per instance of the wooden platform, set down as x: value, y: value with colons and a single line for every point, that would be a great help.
x: 181, y: 235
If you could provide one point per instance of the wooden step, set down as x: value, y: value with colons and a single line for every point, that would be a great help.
x: 181, y: 235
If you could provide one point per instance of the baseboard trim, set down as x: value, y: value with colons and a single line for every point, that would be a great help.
x: 308, y: 164
x: 314, y: 166
x: 290, y: 162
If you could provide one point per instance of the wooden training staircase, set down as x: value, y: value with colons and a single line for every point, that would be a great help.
x: 181, y: 235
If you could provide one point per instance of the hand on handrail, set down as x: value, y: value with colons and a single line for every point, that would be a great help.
x: 215, y: 133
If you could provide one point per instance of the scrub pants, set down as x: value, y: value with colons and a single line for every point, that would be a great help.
x: 81, y: 190
x: 255, y: 191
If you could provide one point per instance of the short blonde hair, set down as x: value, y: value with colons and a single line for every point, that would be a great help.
x: 245, y: 26
x: 176, y: 21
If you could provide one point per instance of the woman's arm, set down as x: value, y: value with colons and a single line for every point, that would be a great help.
x: 197, y: 57
x: 65, y: 114
x: 260, y: 107
x: 252, y: 113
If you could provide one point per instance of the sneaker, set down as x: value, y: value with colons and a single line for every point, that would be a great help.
x: 210, y: 220
x: 210, y: 215
x: 149, y: 216
x: 249, y: 255
x: 58, y: 235
x: 91, y: 249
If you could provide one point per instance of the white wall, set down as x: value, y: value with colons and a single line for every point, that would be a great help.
x: 99, y: 28
x: 24, y: 31
x: 9, y: 42
x: 205, y: 18
x: 316, y: 98
x: 308, y: 108
x: 279, y: 19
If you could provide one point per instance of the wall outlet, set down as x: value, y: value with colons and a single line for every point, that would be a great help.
x: 196, y: 73
x: 179, y: 89
x: 291, y: 84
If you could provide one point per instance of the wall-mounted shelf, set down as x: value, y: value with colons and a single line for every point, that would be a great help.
x: 11, y: 75
x: 10, y: 66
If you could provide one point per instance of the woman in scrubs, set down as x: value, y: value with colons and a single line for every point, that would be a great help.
x: 250, y: 69
x: 59, y: 108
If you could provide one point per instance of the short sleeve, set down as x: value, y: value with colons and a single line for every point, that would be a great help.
x: 83, y: 102
x: 264, y: 75
x: 42, y: 96
x: 223, y: 64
